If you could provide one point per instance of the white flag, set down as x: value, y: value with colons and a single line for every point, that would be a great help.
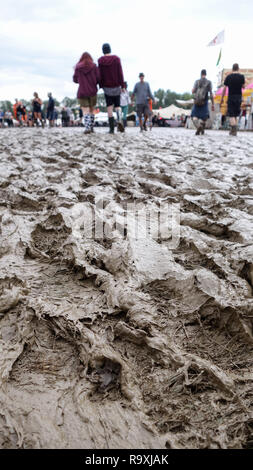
x: 219, y: 39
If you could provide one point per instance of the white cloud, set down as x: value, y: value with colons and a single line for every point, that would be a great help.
x: 40, y: 41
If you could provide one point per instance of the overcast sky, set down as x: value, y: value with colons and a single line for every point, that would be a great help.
x: 41, y: 40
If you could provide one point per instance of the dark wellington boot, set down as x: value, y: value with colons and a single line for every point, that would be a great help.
x: 111, y: 125
x: 233, y: 130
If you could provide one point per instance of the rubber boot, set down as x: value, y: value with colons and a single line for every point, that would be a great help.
x: 87, y: 124
x: 234, y: 130
x: 120, y: 126
x: 203, y: 127
x: 195, y: 122
x: 111, y: 125
x: 125, y: 123
x: 200, y: 128
x: 92, y: 120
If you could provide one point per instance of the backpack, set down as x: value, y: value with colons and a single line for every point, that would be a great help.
x: 200, y: 95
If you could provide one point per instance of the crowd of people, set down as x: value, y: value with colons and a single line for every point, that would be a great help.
x: 108, y: 75
x: 35, y: 115
x: 22, y: 116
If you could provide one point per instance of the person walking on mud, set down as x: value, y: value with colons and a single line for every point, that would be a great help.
x: 200, y: 112
x: 124, y: 102
x: 235, y: 81
x: 87, y: 76
x: 50, y: 110
x: 112, y: 81
x: 150, y: 104
x: 142, y: 94
x: 37, y: 115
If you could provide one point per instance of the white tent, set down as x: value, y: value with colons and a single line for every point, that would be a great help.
x: 185, y: 102
x: 168, y: 112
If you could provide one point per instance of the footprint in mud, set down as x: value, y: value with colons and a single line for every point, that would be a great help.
x: 49, y: 236
x: 49, y: 160
x: 106, y: 375
x: 23, y: 203
x: 90, y: 178
x: 63, y: 154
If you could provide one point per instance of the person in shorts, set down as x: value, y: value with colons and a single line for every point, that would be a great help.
x: 37, y: 113
x: 112, y: 81
x: 235, y: 81
x: 87, y: 76
x: 142, y: 94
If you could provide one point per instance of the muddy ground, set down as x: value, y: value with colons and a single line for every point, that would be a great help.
x: 122, y: 342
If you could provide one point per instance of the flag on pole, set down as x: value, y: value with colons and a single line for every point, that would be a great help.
x: 219, y: 39
x: 219, y: 58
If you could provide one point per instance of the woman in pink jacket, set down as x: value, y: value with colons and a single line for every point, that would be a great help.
x: 87, y: 76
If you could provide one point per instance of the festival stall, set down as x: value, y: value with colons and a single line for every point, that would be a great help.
x: 170, y: 111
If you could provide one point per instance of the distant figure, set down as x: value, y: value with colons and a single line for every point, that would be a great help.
x: 50, y: 110
x: 30, y: 118
x: 235, y: 81
x: 36, y: 103
x: 150, y: 120
x: 142, y: 94
x: 87, y: 76
x: 55, y: 116
x: 124, y: 102
x: 1, y: 118
x: 21, y: 114
x: 16, y: 104
x: 200, y: 112
x: 71, y: 117
x: 64, y: 117
x: 8, y: 118
x: 154, y: 120
x: 112, y: 81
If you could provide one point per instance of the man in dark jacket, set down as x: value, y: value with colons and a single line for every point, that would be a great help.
x: 112, y: 81
x: 50, y: 110
x: 235, y: 81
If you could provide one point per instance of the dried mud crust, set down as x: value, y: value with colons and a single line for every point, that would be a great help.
x: 118, y: 343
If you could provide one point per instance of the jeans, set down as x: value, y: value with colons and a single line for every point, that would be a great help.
x: 124, y: 111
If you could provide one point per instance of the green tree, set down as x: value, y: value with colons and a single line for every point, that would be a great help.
x: 6, y: 106
x: 69, y: 102
x: 166, y: 98
x: 160, y: 95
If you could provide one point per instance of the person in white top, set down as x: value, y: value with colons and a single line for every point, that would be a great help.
x: 125, y: 100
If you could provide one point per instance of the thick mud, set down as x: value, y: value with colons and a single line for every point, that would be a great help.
x: 121, y: 342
